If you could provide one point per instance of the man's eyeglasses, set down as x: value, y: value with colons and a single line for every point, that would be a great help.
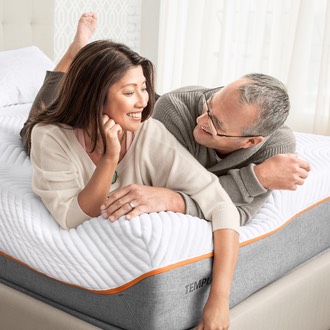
x: 212, y: 125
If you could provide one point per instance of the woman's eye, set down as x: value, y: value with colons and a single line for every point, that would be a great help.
x: 129, y: 93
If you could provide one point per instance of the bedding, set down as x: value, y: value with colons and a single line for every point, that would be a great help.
x: 21, y: 74
x: 153, y: 272
x: 104, y: 264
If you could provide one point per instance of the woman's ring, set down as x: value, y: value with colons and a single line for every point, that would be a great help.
x: 131, y: 205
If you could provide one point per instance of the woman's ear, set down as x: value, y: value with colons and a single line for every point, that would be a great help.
x: 252, y: 141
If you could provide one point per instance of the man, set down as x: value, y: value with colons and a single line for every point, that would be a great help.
x: 235, y: 132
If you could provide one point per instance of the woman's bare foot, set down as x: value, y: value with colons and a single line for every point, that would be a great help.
x: 85, y: 29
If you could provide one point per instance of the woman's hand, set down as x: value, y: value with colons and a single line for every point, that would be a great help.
x: 215, y: 315
x: 135, y: 199
x: 112, y: 131
x: 216, y: 311
x: 96, y: 190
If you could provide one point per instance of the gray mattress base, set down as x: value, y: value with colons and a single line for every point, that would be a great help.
x: 298, y: 301
x: 175, y: 299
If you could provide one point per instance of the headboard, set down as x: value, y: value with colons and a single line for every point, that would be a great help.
x: 26, y: 23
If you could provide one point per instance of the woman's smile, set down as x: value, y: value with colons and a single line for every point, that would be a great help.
x: 135, y: 115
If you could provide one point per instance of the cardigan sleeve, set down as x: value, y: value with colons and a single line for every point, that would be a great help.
x: 168, y: 164
x: 55, y: 177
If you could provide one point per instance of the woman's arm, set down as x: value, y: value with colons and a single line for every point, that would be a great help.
x: 69, y: 186
x: 216, y: 311
x: 98, y: 187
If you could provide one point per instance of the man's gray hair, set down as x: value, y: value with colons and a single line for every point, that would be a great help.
x: 272, y: 99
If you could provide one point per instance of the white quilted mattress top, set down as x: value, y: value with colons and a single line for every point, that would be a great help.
x: 107, y: 257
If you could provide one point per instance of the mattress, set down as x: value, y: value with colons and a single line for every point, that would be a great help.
x: 153, y: 272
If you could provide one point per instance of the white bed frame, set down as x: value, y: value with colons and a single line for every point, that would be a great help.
x: 298, y: 301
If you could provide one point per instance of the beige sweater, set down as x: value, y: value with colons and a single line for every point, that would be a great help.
x: 62, y: 168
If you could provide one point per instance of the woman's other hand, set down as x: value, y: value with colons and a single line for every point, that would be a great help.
x: 136, y: 199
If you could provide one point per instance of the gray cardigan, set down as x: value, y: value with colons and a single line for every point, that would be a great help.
x: 178, y: 111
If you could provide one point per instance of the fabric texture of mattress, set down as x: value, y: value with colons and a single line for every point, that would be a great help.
x: 129, y: 273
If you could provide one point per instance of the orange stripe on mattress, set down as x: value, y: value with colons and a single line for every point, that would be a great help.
x: 252, y: 240
x: 170, y: 267
x: 126, y: 285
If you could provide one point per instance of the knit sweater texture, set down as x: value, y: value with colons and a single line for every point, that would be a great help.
x: 178, y: 111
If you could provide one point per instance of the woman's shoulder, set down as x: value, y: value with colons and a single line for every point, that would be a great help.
x: 153, y: 125
x: 50, y: 129
x: 46, y: 133
x: 155, y: 131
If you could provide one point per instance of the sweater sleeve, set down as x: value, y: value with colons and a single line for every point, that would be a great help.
x: 243, y: 186
x: 245, y: 191
x: 181, y: 172
x: 55, y: 178
x: 192, y: 207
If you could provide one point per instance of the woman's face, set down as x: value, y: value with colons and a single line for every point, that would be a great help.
x: 127, y: 98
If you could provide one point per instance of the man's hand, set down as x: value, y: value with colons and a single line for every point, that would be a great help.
x: 283, y: 171
x: 135, y: 199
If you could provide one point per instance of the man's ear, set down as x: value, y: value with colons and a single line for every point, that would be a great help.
x: 253, y: 141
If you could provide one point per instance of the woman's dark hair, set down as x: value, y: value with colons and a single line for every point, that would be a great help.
x: 85, y: 87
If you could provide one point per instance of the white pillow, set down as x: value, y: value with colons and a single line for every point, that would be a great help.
x: 22, y: 72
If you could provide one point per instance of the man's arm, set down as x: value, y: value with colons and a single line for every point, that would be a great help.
x: 246, y: 211
x: 249, y: 187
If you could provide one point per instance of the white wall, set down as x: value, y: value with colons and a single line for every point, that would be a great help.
x: 118, y: 20
x: 150, y: 14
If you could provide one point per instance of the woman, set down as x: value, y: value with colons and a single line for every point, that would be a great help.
x: 97, y: 137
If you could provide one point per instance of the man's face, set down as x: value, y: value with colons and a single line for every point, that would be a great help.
x: 229, y: 117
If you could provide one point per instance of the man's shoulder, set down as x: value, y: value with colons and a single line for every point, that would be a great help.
x: 182, y: 93
x: 283, y: 140
x: 283, y: 135
x: 187, y: 89
x: 179, y: 100
x: 187, y: 95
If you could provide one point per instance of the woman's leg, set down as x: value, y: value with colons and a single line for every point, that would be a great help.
x: 85, y: 29
x: 50, y: 88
